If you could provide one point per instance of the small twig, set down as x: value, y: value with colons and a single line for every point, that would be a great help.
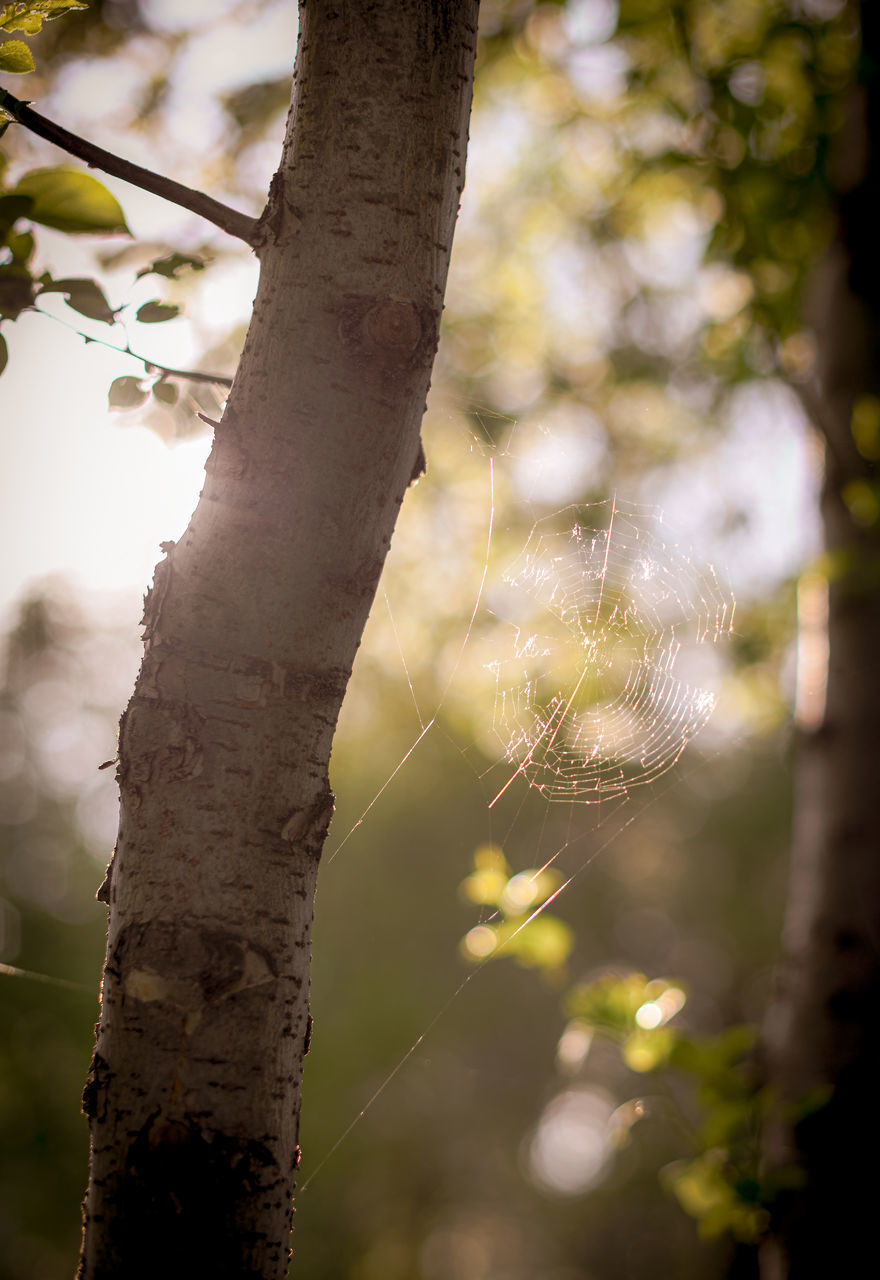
x: 191, y: 375
x: 229, y: 220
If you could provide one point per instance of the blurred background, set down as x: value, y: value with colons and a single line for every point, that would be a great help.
x: 647, y: 195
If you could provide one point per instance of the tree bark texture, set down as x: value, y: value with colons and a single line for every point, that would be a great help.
x: 823, y: 1032
x: 252, y: 625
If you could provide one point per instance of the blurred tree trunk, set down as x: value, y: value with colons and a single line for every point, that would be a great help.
x: 252, y: 625
x: 823, y: 1032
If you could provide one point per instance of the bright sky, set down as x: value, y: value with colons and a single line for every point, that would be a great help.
x: 85, y: 492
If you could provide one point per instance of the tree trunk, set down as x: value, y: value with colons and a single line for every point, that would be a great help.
x: 823, y: 1033
x: 252, y: 625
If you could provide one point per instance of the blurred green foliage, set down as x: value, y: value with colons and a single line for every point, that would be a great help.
x: 524, y: 930
x: 56, y: 705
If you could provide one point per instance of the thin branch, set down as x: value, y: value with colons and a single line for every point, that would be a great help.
x: 229, y: 220
x: 189, y: 375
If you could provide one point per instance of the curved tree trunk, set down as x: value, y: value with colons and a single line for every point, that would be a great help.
x: 823, y: 1032
x: 252, y: 625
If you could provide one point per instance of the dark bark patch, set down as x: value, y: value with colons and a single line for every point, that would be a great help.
x: 94, y: 1095
x: 847, y: 940
x: 395, y: 333
x: 394, y: 324
x: 184, y: 1203
x: 847, y: 1007
x: 307, y: 828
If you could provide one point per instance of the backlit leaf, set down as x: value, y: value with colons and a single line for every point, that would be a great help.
x: 57, y: 8
x: 16, y: 290
x: 172, y: 265
x: 165, y: 392
x: 29, y: 17
x: 20, y: 246
x: 156, y: 312
x: 84, y: 296
x: 70, y: 200
x: 648, y: 1050
x: 29, y: 23
x: 16, y: 58
x: 126, y: 393
x: 543, y: 943
x: 11, y: 209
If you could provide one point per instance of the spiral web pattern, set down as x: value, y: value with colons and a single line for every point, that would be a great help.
x: 589, y: 703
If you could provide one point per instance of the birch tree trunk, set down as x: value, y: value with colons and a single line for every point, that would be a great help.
x: 252, y: 625
x: 823, y: 1032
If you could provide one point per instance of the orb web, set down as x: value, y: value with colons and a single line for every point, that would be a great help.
x: 602, y: 691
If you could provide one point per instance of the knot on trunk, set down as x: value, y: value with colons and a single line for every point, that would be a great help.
x: 391, y: 332
x: 395, y: 324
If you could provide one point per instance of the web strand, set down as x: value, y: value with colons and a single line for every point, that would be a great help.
x: 64, y: 984
x: 480, y: 965
x: 603, y: 587
x: 402, y: 658
x: 426, y: 727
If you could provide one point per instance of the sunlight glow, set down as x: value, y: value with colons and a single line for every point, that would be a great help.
x: 520, y: 893
x: 655, y: 1012
x: 480, y: 941
x: 569, y: 1152
x: 574, y: 1045
x: 87, y: 492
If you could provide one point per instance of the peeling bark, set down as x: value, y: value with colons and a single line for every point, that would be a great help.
x: 251, y: 628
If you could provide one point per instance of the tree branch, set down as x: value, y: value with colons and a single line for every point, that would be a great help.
x: 229, y: 220
x: 189, y: 375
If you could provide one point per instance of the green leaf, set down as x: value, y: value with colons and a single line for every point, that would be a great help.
x: 29, y: 23
x: 29, y: 17
x: 648, y: 1050
x: 126, y: 393
x: 4, y: 353
x: 704, y: 1187
x: 84, y: 296
x: 20, y: 246
x: 11, y: 209
x: 16, y: 290
x: 165, y: 392
x: 156, y: 312
x: 70, y: 200
x: 16, y: 58
x: 57, y: 8
x: 544, y: 943
x: 172, y: 265
x: 712, y: 1058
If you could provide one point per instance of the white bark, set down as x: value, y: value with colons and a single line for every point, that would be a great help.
x: 252, y: 626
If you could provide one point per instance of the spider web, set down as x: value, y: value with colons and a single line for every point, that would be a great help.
x: 607, y: 610
x: 606, y: 613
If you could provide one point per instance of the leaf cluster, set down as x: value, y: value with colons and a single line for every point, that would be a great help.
x: 28, y: 17
x: 67, y: 199
x: 758, y: 90
x: 74, y: 202
x: 721, y: 1181
x: 520, y: 928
